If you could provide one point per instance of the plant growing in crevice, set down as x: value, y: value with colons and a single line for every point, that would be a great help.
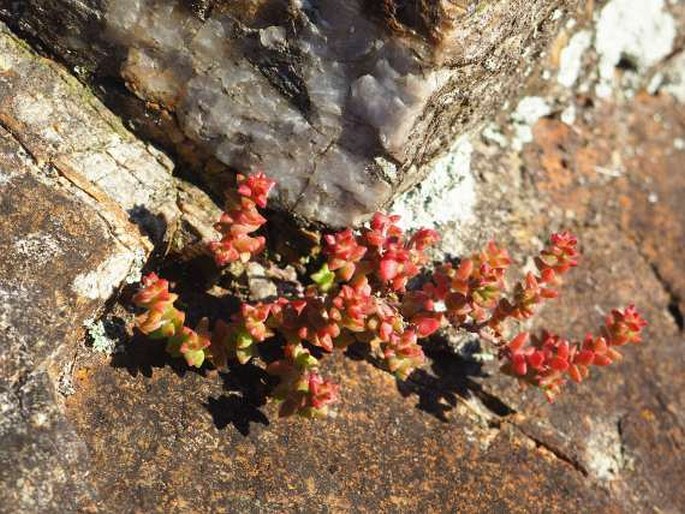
x: 360, y: 295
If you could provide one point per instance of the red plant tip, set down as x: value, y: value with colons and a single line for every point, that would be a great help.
x: 518, y: 342
x: 191, y: 346
x: 151, y: 278
x: 465, y: 270
x: 160, y: 319
x: 424, y: 238
x: 497, y: 258
x: 322, y: 393
x: 240, y: 220
x: 343, y: 252
x: 155, y: 290
x: 386, y: 223
x: 564, y: 240
x: 353, y: 306
x: 388, y: 269
x: 301, y: 389
x: 254, y: 318
x: 624, y: 326
x: 403, y: 353
x: 561, y: 254
x: 255, y: 187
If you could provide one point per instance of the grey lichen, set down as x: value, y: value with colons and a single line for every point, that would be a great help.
x: 104, y: 335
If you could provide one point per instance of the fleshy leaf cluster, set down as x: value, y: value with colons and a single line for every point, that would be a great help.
x: 364, y: 292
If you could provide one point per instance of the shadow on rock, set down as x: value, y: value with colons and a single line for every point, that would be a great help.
x: 248, y: 387
x: 149, y: 223
x: 450, y: 376
x: 234, y: 410
x: 140, y: 355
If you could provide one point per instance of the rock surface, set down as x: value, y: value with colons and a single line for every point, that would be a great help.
x: 601, y: 154
x: 474, y: 442
x: 63, y: 126
x: 344, y: 103
x: 81, y: 201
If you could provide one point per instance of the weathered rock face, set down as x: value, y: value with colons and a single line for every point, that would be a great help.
x: 143, y: 433
x: 81, y: 201
x: 457, y: 436
x: 39, y: 453
x: 63, y: 126
x: 345, y: 103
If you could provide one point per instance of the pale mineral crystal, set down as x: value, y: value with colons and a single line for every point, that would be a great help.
x: 345, y: 103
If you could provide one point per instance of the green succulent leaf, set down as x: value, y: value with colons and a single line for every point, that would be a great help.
x: 324, y: 278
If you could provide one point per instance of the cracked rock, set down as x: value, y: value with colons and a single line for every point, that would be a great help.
x: 81, y: 200
x: 346, y: 104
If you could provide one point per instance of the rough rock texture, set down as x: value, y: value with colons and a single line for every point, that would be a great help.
x: 600, y: 153
x: 80, y: 202
x: 457, y: 436
x: 184, y: 443
x: 345, y: 103
x: 609, y: 169
x: 63, y: 126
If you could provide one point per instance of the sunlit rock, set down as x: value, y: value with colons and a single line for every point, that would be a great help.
x: 346, y: 104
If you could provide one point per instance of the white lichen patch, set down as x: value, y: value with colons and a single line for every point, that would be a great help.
x: 39, y: 419
x: 136, y: 272
x: 126, y: 171
x: 641, y: 32
x: 604, y: 455
x: 571, y: 58
x: 5, y: 177
x: 37, y: 110
x: 493, y: 133
x: 5, y: 63
x: 37, y: 247
x: 447, y: 194
x: 568, y: 115
x: 529, y: 110
x: 101, y: 282
x: 673, y: 78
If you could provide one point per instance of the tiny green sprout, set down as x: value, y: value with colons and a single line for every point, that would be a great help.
x: 244, y: 346
x: 324, y: 278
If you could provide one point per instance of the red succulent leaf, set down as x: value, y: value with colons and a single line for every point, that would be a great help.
x: 255, y: 187
x: 518, y: 342
x: 519, y: 366
x: 624, y: 326
x: 388, y: 269
x: 427, y: 323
